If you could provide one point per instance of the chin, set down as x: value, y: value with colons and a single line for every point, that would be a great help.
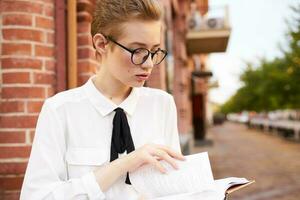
x: 137, y: 84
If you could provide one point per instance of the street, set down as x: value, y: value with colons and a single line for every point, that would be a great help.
x: 273, y: 162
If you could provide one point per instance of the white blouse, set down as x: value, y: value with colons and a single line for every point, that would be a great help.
x: 73, y: 138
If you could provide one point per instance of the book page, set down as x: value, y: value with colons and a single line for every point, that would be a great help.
x: 225, y: 183
x: 238, y: 187
x: 194, y: 174
x: 217, y: 192
x: 205, y: 195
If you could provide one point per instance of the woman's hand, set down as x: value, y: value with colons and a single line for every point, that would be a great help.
x: 151, y: 154
x: 147, y: 154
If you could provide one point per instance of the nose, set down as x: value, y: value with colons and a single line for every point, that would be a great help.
x: 148, y: 63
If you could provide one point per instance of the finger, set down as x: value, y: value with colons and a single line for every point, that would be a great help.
x: 171, y: 152
x: 165, y: 156
x: 156, y: 164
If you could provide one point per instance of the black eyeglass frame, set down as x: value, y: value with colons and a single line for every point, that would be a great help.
x: 132, y: 51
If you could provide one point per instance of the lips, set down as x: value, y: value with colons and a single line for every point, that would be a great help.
x: 142, y: 77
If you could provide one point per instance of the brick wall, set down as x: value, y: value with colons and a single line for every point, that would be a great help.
x: 27, y: 78
x: 182, y: 72
x: 158, y: 75
x: 86, y: 63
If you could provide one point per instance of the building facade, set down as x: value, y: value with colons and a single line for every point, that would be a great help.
x: 46, y: 48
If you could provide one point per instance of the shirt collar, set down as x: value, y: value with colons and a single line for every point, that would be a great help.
x: 106, y: 106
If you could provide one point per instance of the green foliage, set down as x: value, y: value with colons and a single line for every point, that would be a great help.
x: 274, y: 84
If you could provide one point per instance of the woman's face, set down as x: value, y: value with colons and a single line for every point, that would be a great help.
x: 136, y: 34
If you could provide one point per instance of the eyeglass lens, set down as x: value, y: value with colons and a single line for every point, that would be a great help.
x: 139, y: 56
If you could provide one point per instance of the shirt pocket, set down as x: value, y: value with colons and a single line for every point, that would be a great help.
x: 80, y: 161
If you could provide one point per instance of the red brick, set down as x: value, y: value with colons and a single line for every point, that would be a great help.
x: 13, y: 168
x: 45, y: 51
x: 34, y: 106
x: 83, y: 27
x: 49, y: 1
x: 43, y: 78
x: 84, y: 17
x: 11, y: 106
x: 22, y: 6
x: 49, y: 11
x: 23, y: 92
x: 84, y: 40
x: 32, y: 133
x: 18, y: 121
x: 27, y: 63
x: 86, y: 53
x: 15, y: 152
x: 11, y: 183
x: 50, y: 38
x: 12, y: 137
x: 43, y: 22
x: 86, y: 67
x: 46, y: 1
x: 16, y: 77
x: 16, y: 49
x: 50, y: 65
x: 83, y: 78
x: 17, y: 19
x: 50, y: 91
x: 10, y: 195
x: 23, y: 34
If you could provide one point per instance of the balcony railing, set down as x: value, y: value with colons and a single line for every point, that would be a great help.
x: 209, y: 33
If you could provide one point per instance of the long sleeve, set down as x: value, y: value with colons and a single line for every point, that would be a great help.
x: 46, y: 173
x: 171, y: 131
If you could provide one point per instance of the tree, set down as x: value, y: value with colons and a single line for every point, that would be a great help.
x: 273, y: 84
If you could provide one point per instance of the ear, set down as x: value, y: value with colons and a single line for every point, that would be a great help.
x: 100, y: 43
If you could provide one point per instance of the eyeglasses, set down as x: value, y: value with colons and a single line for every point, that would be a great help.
x: 140, y: 55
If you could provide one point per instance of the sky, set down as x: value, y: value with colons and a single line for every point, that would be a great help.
x: 258, y: 28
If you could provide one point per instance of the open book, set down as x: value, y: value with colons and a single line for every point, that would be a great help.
x: 194, y: 180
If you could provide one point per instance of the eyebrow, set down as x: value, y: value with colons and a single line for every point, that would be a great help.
x: 143, y: 44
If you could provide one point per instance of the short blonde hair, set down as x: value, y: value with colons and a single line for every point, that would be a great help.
x: 110, y: 14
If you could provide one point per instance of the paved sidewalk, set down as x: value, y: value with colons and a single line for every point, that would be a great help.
x: 272, y: 161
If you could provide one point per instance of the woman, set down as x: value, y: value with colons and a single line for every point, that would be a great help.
x: 87, y: 139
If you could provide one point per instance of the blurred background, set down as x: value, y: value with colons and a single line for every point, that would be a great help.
x: 233, y: 68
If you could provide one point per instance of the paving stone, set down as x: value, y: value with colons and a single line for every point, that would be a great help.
x: 273, y: 162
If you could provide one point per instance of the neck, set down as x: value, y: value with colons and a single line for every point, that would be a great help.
x: 111, y: 88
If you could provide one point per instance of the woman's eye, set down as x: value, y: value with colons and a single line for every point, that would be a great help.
x: 135, y: 47
x: 138, y: 51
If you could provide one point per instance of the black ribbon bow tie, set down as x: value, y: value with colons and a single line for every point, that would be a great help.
x: 121, y: 137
